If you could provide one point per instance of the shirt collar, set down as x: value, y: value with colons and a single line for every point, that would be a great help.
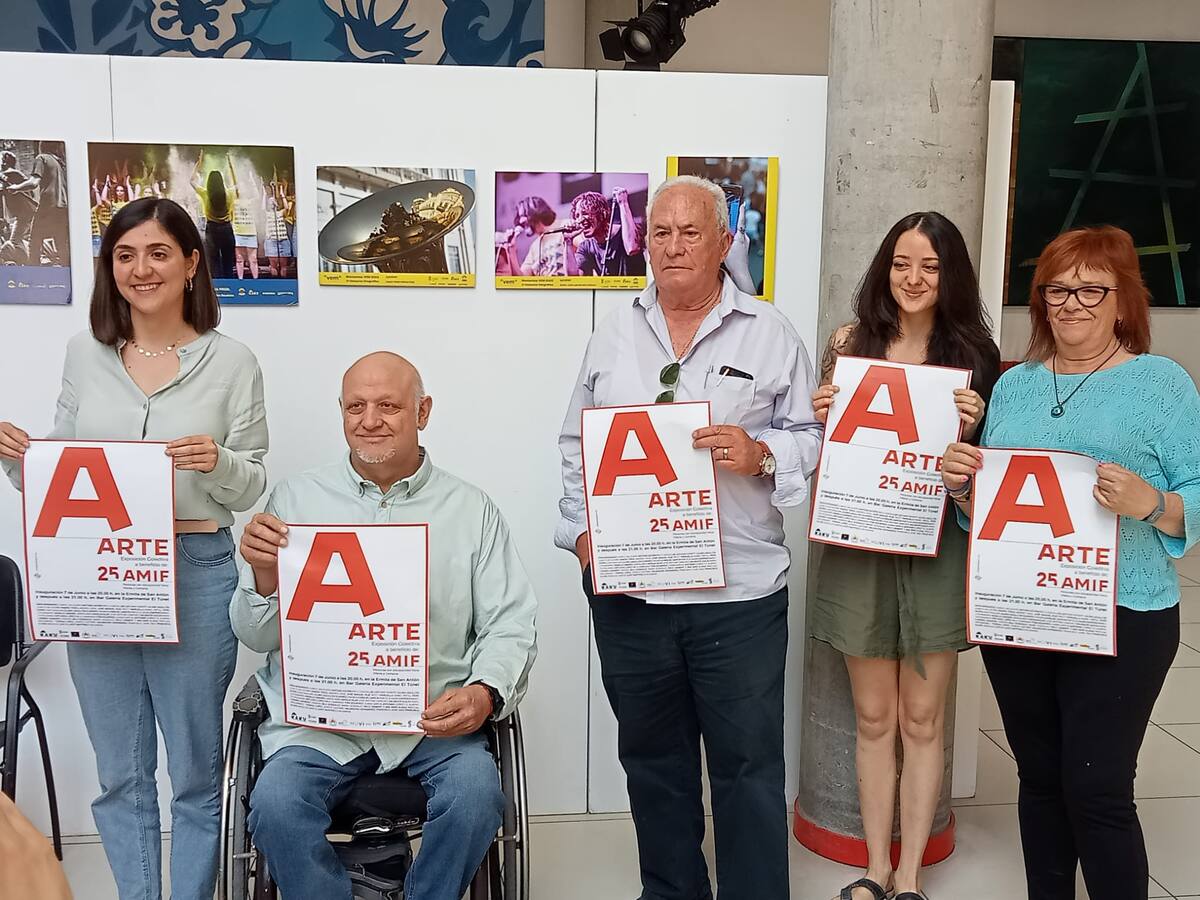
x: 405, y: 487
x: 731, y: 299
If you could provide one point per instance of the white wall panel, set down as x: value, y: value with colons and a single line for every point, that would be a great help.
x: 70, y: 103
x: 500, y: 366
x: 641, y: 119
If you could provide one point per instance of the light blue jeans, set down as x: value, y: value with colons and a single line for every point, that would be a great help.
x: 299, y: 786
x: 124, y: 689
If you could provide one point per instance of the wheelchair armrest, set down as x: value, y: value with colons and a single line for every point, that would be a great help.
x: 249, y: 705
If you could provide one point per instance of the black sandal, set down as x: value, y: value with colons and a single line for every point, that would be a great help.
x: 911, y: 895
x: 877, y: 891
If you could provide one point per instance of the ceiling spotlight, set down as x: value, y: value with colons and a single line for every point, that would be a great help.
x: 653, y: 36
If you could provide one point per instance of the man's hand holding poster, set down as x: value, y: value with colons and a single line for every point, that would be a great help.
x: 100, y: 541
x: 651, y: 499
x: 879, y: 484
x: 1042, y: 569
x: 353, y: 617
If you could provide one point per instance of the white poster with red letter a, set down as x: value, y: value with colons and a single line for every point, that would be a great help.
x: 100, y: 542
x: 879, y: 482
x: 651, y: 499
x: 353, y: 617
x: 1042, y: 570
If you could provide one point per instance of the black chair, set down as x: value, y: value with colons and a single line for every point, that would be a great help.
x: 373, y: 828
x: 20, y: 708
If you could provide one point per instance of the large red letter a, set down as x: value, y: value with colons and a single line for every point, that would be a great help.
x: 858, y: 413
x: 1052, y: 511
x: 311, y: 588
x: 59, y: 505
x: 613, y: 465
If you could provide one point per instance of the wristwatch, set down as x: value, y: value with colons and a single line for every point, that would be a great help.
x: 1158, y: 510
x: 766, y: 468
x: 497, y: 700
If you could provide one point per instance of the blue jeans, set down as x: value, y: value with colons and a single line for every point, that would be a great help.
x: 299, y: 786
x: 124, y: 689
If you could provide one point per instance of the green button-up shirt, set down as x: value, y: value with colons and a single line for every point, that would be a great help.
x: 481, y: 604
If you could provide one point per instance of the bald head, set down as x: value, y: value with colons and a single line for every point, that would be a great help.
x: 384, y: 406
x: 385, y: 369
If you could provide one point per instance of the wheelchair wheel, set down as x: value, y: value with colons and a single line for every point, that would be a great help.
x: 237, y: 851
x: 243, y: 870
x: 511, y: 882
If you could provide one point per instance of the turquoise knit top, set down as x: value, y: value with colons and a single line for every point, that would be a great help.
x: 1143, y: 414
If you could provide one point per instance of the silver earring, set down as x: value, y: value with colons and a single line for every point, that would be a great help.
x: 188, y: 284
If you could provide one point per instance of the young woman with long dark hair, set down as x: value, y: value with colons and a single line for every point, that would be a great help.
x: 899, y: 620
x: 154, y: 368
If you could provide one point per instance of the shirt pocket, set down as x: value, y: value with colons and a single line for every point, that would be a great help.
x: 731, y: 397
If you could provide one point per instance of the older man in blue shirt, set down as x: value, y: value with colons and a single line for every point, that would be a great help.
x: 683, y: 666
x: 481, y: 646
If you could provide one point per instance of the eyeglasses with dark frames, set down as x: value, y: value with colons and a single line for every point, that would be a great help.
x: 1088, y: 295
x: 669, y: 379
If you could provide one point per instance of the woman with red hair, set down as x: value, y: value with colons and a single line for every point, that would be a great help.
x: 1076, y: 722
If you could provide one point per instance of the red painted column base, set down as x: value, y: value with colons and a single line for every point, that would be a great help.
x: 852, y: 851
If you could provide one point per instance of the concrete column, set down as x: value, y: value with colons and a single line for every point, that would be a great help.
x: 906, y: 130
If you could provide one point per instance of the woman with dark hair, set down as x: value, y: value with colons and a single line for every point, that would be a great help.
x: 154, y: 368
x: 217, y: 206
x: 900, y: 620
x: 548, y: 252
x: 1076, y: 722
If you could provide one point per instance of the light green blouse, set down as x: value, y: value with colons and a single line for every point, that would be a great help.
x: 218, y: 392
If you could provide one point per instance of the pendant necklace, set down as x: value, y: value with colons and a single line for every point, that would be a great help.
x: 707, y: 308
x: 1060, y: 405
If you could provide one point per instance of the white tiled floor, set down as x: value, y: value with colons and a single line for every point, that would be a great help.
x: 594, y: 857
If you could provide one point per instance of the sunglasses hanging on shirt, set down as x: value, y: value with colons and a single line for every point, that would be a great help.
x: 669, y: 379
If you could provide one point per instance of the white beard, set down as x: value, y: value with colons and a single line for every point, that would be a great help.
x: 374, y: 460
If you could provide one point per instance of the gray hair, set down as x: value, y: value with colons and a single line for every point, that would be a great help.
x: 720, y: 207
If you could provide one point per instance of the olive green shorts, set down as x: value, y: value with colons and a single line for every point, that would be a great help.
x: 892, y: 606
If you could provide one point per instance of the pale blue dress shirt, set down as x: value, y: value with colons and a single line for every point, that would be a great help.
x: 621, y: 367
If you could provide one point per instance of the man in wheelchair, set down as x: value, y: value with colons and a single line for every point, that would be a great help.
x: 481, y: 646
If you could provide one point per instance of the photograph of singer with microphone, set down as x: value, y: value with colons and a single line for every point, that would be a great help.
x: 570, y: 229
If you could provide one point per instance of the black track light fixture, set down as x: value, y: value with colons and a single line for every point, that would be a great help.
x: 653, y: 36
